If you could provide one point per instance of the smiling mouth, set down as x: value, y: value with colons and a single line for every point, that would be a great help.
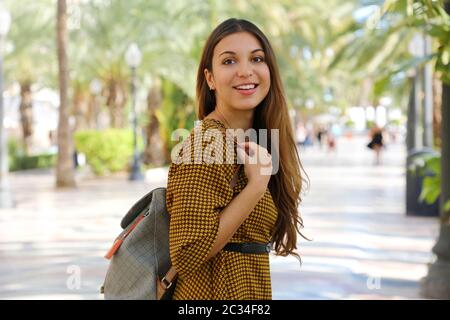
x: 246, y: 87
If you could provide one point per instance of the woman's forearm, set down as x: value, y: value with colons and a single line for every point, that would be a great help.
x: 234, y: 214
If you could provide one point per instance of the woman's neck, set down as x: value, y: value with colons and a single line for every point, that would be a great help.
x: 235, y: 119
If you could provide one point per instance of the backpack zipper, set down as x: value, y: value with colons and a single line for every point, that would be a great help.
x: 119, y: 240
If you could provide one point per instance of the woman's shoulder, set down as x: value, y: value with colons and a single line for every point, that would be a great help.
x: 206, y: 143
x: 206, y: 152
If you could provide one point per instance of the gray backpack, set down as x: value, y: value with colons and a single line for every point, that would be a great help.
x: 140, y: 253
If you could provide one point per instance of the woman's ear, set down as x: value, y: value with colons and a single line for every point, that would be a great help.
x: 209, y: 79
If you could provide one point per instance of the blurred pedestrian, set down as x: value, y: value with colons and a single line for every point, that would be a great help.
x: 331, y: 142
x: 308, y: 139
x: 300, y: 134
x: 376, y: 143
x: 320, y: 136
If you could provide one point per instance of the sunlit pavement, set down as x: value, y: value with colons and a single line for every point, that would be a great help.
x: 364, y: 247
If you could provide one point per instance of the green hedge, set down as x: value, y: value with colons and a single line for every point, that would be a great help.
x: 42, y: 161
x: 350, y: 124
x: 19, y: 161
x: 107, y: 151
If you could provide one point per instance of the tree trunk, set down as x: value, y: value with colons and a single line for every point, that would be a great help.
x: 445, y: 152
x: 80, y: 110
x: 366, y: 87
x: 26, y: 115
x: 93, y: 112
x: 376, y: 111
x: 412, y: 133
x: 437, y: 282
x: 65, y: 176
x: 153, y: 150
x: 116, y: 102
x: 437, y: 113
x: 427, y: 85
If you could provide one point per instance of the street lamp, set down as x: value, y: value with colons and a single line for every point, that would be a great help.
x: 133, y: 58
x: 413, y: 142
x: 418, y: 146
x: 6, y: 199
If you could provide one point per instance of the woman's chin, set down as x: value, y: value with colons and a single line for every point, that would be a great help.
x: 246, y: 105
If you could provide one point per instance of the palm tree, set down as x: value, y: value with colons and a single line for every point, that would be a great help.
x: 153, y: 149
x: 65, y: 165
x: 27, y: 63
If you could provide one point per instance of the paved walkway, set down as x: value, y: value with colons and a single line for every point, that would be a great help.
x: 363, y: 244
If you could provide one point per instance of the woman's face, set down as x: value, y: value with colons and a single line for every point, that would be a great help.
x: 240, y: 76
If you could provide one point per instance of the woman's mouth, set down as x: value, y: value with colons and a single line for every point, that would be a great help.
x: 246, y: 89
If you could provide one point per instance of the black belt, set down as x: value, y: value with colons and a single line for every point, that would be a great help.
x: 249, y: 247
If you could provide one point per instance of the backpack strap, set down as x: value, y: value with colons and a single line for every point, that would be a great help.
x: 168, y: 280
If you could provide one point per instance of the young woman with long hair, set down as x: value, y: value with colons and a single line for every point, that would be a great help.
x: 220, y: 234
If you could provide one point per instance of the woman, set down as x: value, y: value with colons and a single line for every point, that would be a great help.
x: 376, y: 143
x: 219, y: 233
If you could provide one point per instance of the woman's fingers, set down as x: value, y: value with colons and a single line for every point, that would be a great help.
x: 254, y: 153
x: 254, y: 148
x: 241, y: 154
x: 248, y: 149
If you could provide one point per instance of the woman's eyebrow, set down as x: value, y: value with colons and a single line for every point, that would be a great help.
x: 232, y: 52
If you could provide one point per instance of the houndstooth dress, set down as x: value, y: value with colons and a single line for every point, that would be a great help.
x: 196, y: 193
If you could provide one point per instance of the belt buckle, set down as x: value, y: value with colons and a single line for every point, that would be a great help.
x: 268, y: 247
x: 167, y: 283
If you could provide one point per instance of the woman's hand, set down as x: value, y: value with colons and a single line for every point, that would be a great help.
x: 257, y: 163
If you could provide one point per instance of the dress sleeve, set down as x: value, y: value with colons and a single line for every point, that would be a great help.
x: 196, y: 193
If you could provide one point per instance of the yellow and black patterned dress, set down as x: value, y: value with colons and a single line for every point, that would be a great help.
x: 196, y: 193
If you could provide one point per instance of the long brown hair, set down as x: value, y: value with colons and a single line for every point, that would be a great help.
x: 272, y: 113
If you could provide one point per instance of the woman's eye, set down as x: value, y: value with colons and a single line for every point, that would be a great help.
x: 255, y: 59
x: 228, y: 61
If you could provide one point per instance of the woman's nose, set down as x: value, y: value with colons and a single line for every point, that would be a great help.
x: 245, y: 70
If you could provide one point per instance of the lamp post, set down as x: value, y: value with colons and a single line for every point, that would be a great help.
x: 133, y: 58
x: 413, y: 134
x: 6, y: 199
x: 428, y: 96
x: 418, y: 145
